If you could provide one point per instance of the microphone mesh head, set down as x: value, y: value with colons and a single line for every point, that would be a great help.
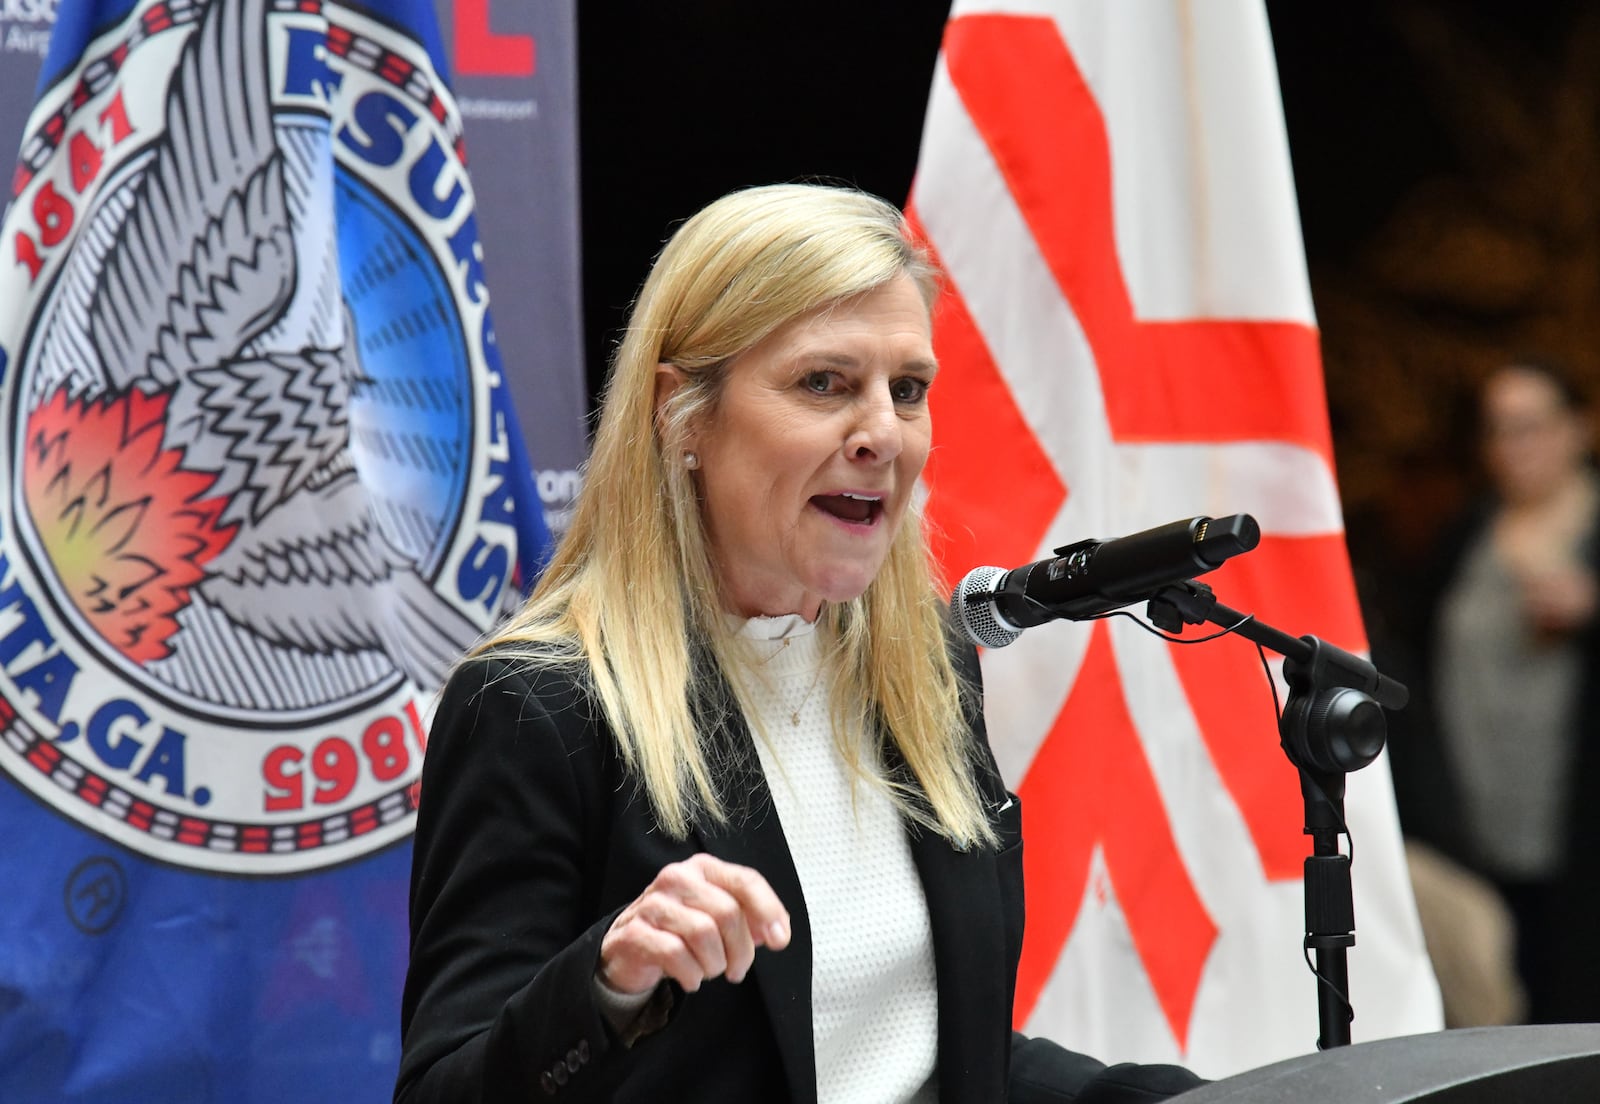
x: 973, y: 608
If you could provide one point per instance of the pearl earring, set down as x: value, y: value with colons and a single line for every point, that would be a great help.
x: 691, y: 461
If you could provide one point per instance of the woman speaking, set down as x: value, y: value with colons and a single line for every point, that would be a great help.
x: 714, y: 816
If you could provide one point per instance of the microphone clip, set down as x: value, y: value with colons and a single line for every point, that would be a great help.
x: 1185, y: 603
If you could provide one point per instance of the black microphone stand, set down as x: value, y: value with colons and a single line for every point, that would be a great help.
x: 1332, y: 724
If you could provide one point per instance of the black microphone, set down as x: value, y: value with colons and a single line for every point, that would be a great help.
x: 993, y: 606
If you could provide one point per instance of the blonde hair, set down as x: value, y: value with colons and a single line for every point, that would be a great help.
x: 631, y: 592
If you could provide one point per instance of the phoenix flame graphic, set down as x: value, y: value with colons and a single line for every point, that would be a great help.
x: 213, y: 464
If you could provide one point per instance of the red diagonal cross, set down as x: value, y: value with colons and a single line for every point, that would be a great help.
x: 1183, y: 381
x: 1200, y: 380
x: 975, y: 455
x: 1090, y: 784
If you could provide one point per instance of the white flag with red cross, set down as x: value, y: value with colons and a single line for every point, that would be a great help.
x: 1127, y: 339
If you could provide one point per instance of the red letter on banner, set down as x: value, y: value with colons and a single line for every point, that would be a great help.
x: 481, y: 52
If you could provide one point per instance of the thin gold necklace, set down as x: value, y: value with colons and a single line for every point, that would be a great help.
x: 794, y: 714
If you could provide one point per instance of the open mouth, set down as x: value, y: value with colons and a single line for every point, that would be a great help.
x: 854, y: 509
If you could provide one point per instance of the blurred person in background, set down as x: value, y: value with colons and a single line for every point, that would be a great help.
x: 1514, y: 657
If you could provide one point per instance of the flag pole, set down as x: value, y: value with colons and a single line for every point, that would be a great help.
x: 1332, y: 724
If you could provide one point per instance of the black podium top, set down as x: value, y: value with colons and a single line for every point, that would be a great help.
x: 1484, y: 1065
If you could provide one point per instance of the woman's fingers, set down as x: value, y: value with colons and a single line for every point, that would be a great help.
x: 767, y: 919
x: 717, y: 917
x: 701, y: 918
x: 649, y: 953
x: 696, y: 929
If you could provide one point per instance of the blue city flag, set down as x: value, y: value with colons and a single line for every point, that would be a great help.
x: 264, y: 484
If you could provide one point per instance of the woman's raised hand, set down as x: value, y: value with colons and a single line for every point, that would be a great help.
x: 698, y: 919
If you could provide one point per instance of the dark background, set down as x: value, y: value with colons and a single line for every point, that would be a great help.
x: 1446, y: 154
x: 683, y: 102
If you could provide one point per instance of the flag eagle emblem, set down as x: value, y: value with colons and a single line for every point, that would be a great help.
x: 259, y: 496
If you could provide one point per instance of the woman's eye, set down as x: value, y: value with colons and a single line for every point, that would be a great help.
x: 818, y: 382
x: 909, y: 390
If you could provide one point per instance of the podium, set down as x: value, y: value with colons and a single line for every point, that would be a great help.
x: 1545, y: 1064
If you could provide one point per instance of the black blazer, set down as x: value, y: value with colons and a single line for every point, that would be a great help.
x: 531, y: 838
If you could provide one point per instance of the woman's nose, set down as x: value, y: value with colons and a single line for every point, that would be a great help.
x: 877, y: 432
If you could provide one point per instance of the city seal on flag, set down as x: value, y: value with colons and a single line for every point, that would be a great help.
x: 258, y: 448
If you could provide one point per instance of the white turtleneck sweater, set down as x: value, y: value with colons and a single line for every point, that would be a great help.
x: 874, y: 996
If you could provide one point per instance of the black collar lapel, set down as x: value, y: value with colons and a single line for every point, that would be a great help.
x: 753, y: 837
x: 969, y: 956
